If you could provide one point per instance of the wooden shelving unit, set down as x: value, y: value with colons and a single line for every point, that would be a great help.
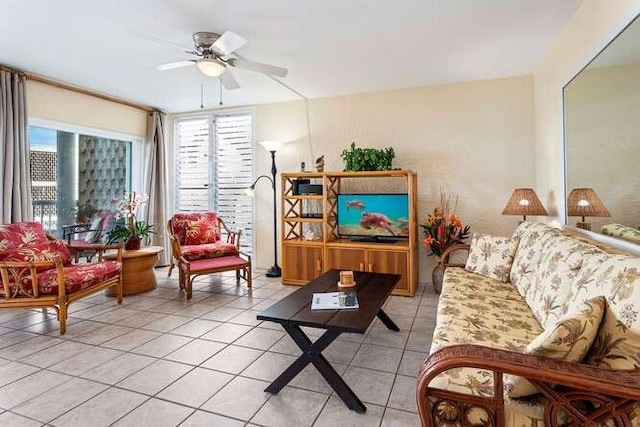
x: 305, y: 259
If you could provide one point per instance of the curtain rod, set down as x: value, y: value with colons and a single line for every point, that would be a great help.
x: 77, y: 89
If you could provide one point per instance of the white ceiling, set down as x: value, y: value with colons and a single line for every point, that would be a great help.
x: 331, y: 47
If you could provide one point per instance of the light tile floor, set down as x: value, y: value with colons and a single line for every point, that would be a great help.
x: 159, y: 360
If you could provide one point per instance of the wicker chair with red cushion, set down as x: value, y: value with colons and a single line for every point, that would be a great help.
x: 37, y: 272
x: 198, y: 247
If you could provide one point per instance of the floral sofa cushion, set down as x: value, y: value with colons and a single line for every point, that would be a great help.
x: 549, y: 293
x: 533, y: 237
x: 570, y: 339
x: 492, y: 256
x: 77, y: 277
x: 184, y: 223
x: 622, y: 232
x: 43, y: 251
x: 14, y: 236
x: 477, y: 314
x: 617, y: 345
x: 211, y: 250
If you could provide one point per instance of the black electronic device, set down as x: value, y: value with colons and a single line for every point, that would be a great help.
x: 310, y: 189
x: 295, y: 185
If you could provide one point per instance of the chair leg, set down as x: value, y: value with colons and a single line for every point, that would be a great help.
x: 249, y: 278
x: 62, y: 318
x: 189, y: 287
x: 237, y: 276
x: 119, y: 292
x: 171, y: 265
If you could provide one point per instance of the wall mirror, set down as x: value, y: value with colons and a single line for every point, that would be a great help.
x: 602, y: 139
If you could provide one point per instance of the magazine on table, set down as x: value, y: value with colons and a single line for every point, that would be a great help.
x: 334, y: 300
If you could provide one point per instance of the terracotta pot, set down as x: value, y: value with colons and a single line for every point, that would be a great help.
x: 133, y: 243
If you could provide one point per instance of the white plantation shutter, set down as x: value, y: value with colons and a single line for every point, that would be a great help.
x: 233, y: 166
x: 214, y: 156
x: 194, y: 164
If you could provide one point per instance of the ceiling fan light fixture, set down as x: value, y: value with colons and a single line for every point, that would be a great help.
x: 210, y: 67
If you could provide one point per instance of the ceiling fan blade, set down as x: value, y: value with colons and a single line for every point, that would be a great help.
x: 163, y: 41
x: 227, y: 43
x: 258, y: 66
x: 179, y: 64
x: 228, y: 81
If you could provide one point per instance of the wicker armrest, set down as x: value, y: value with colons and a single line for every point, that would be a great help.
x: 446, y: 255
x: 620, y: 389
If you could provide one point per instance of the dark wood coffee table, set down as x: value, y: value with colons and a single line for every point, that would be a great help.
x: 294, y: 311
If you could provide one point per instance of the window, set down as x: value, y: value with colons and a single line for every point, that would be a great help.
x: 75, y: 175
x: 214, y: 166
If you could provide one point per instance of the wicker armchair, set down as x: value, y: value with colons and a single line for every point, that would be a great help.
x: 37, y: 272
x: 198, y: 248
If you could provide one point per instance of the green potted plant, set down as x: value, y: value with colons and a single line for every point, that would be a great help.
x: 367, y: 159
x: 133, y: 230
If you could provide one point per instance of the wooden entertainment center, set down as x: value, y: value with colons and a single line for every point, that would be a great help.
x: 311, y: 244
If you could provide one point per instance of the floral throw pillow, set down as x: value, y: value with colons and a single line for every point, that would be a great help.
x: 569, y: 340
x: 492, y: 256
x: 201, y: 232
x: 45, y: 251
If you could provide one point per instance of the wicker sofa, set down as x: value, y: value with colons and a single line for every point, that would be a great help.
x: 552, y: 340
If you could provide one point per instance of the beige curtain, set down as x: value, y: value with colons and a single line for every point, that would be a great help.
x: 14, y: 149
x: 155, y: 183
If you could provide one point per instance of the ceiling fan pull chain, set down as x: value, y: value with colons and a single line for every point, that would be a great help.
x: 201, y: 96
x: 220, y: 84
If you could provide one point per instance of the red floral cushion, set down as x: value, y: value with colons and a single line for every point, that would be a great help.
x: 44, y: 251
x: 13, y: 236
x: 210, y: 250
x: 205, y: 230
x: 77, y: 278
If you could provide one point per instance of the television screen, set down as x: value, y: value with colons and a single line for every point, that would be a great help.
x: 374, y: 215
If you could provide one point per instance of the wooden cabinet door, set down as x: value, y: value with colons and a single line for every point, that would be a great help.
x: 301, y: 263
x: 390, y: 262
x: 345, y: 259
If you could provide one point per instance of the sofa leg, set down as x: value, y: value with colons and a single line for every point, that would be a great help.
x: 247, y: 273
x: 237, y: 276
x: 62, y: 318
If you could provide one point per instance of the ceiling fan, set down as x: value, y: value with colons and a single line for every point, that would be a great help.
x: 216, y: 54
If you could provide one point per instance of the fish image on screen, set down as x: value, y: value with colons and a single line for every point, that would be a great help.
x: 373, y: 215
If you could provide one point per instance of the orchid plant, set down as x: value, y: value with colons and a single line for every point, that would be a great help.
x: 128, y: 208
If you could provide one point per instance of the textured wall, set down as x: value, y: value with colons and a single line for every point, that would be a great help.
x: 474, y: 139
x: 60, y: 105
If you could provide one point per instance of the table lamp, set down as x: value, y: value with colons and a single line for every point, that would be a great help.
x: 524, y: 201
x: 585, y: 202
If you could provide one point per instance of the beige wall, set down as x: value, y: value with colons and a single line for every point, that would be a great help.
x: 60, y: 105
x: 595, y: 23
x: 474, y: 139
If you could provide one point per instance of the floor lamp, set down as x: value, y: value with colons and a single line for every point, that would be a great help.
x: 272, y: 147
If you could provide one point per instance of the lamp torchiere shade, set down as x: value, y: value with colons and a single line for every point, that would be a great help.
x: 585, y: 202
x: 524, y: 201
x: 272, y: 145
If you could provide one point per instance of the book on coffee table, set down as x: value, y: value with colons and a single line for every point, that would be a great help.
x: 334, y: 300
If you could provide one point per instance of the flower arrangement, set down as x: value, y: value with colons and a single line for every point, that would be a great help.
x: 133, y: 230
x: 443, y: 228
